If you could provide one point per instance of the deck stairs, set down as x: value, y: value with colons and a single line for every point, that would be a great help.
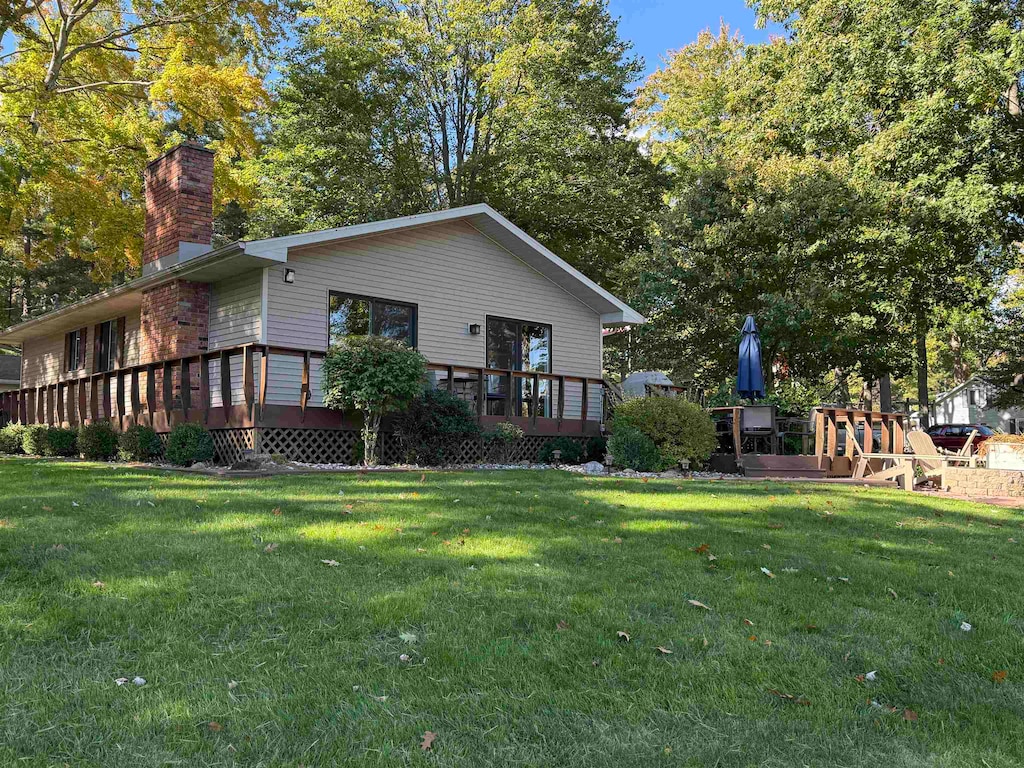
x: 767, y: 465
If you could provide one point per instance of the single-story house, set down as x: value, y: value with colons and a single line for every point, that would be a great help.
x: 10, y: 372
x: 504, y: 322
x: 971, y: 403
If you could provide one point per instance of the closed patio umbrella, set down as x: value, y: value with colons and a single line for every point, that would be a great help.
x: 750, y: 381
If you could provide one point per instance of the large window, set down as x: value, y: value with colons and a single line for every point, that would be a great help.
x: 74, y: 350
x: 351, y: 315
x: 109, y: 343
x: 518, y: 345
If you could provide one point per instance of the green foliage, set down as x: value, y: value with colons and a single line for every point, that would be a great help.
x: 11, y: 438
x: 189, y: 443
x: 138, y: 443
x: 34, y: 439
x: 61, y: 442
x: 572, y: 451
x: 596, y: 448
x: 433, y: 427
x: 501, y: 442
x: 633, y: 449
x: 375, y: 376
x: 394, y: 108
x: 97, y: 441
x: 680, y: 429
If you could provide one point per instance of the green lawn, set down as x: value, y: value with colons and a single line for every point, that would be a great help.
x: 506, y: 591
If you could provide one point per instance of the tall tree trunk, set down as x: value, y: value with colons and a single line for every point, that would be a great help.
x: 885, y: 393
x: 867, y: 395
x: 960, y: 374
x: 922, y: 367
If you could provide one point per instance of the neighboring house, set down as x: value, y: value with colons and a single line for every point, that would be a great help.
x: 504, y: 322
x: 647, y: 383
x: 10, y: 372
x: 970, y: 403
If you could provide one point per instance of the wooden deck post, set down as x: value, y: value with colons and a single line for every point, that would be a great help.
x: 136, y: 398
x: 509, y: 379
x: 225, y: 381
x: 61, y: 394
x: 898, y: 436
x: 151, y: 391
x: 264, y: 376
x: 869, y: 434
x: 886, y: 420
x: 737, y: 438
x: 585, y: 407
x: 536, y: 399
x: 481, y: 394
x: 121, y: 398
x: 451, y: 380
x: 248, y: 387
x: 168, y: 390
x: 832, y: 434
x: 107, y: 411
x: 204, y: 385
x: 83, y: 414
x: 40, y: 405
x: 185, y: 376
x: 561, y: 400
x: 304, y: 392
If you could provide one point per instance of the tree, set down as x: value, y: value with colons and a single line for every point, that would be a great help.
x: 389, y: 107
x: 375, y: 376
x: 89, y: 91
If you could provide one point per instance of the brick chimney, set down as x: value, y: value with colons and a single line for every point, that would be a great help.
x: 179, y: 207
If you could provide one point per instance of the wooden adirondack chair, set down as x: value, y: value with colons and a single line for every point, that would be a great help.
x: 901, y: 466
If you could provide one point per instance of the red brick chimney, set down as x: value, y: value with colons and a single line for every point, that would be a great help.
x: 179, y: 207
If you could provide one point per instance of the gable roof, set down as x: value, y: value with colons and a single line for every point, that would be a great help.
x: 243, y: 255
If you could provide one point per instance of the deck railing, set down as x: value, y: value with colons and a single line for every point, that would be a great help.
x: 209, y: 388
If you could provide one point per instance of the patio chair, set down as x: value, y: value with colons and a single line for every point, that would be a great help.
x: 901, y: 466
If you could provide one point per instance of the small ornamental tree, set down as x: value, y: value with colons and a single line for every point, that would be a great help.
x: 375, y: 376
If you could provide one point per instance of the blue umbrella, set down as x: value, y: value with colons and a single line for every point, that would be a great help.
x: 750, y: 381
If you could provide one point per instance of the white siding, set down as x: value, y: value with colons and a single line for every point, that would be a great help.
x: 235, y: 310
x: 456, y: 277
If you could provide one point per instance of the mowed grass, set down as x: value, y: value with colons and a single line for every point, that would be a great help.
x: 167, y: 576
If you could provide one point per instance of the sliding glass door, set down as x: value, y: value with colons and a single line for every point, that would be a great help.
x: 517, y: 345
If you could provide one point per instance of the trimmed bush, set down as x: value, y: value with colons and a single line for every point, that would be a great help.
x: 500, y: 443
x: 138, y: 443
x: 33, y: 440
x: 434, y: 426
x: 680, y: 429
x: 633, y: 449
x: 11, y: 438
x: 375, y: 376
x: 61, y: 442
x: 188, y: 444
x: 572, y: 451
x: 97, y: 442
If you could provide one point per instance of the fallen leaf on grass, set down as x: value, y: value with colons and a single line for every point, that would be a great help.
x: 407, y: 637
x: 47, y: 509
x: 999, y: 676
x: 790, y: 697
x: 748, y: 622
x: 965, y: 626
x: 663, y: 649
x: 909, y: 714
x: 214, y: 726
x: 776, y: 526
x: 270, y: 548
x: 331, y: 563
x: 99, y: 584
x: 232, y: 684
x: 121, y: 680
x: 561, y: 626
x: 767, y: 573
x: 698, y: 604
x: 892, y: 593
x: 624, y: 636
x: 702, y: 549
x: 405, y: 657
x: 428, y: 740
x: 423, y: 477
x: 752, y: 638
x: 276, y: 511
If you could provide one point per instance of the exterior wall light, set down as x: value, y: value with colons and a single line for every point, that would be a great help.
x: 289, y: 276
x: 474, y: 329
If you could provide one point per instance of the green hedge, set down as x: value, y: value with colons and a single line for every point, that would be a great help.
x: 97, y: 442
x: 433, y: 427
x: 188, y: 444
x: 138, y: 443
x: 61, y: 442
x: 633, y: 449
x: 11, y: 438
x: 33, y: 440
x: 572, y: 451
x: 680, y: 429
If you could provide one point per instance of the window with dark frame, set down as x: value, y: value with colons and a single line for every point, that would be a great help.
x: 109, y: 342
x: 74, y: 350
x: 354, y: 315
x: 518, y: 345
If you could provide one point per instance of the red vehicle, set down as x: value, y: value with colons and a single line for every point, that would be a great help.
x: 953, y: 437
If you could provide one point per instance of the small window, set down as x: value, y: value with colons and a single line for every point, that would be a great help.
x: 108, y: 345
x: 972, y: 397
x: 351, y: 315
x: 74, y: 350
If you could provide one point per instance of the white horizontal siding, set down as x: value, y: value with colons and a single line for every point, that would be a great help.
x: 235, y: 310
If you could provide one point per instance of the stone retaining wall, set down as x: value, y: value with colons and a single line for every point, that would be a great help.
x: 984, y: 482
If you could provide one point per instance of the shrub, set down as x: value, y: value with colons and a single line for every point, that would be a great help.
x: 33, y: 440
x: 433, y: 427
x: 680, y: 429
x: 61, y: 442
x: 98, y: 441
x: 501, y: 442
x: 597, y: 447
x: 374, y: 375
x: 138, y: 443
x: 188, y: 444
x: 572, y: 451
x: 633, y: 449
x: 11, y: 438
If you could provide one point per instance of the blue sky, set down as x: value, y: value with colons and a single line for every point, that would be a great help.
x: 657, y: 26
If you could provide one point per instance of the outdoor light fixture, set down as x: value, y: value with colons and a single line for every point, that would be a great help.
x: 289, y: 276
x: 556, y: 455
x: 474, y: 329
